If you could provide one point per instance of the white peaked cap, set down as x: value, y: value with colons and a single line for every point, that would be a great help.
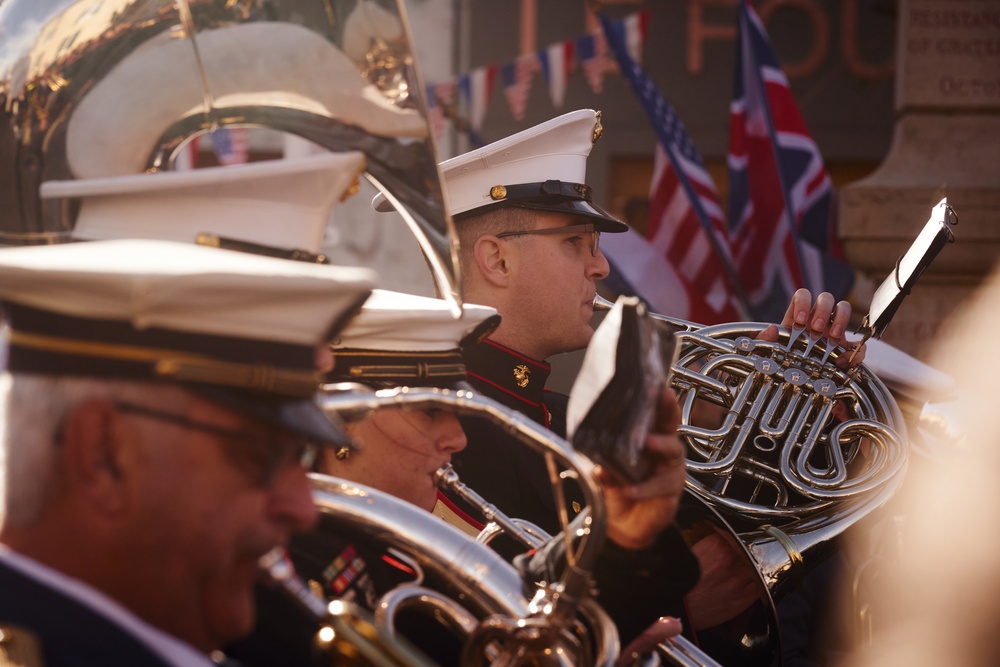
x: 239, y: 329
x: 543, y: 168
x: 405, y: 322
x: 281, y: 204
x: 184, y: 288
x: 405, y: 340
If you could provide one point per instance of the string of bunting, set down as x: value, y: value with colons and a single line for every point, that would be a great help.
x: 557, y: 62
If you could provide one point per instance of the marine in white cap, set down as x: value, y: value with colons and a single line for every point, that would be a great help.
x: 158, y: 399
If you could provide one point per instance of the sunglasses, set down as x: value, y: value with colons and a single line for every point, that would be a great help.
x: 588, y: 228
x: 260, y: 455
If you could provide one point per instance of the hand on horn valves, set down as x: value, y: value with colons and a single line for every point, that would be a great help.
x: 637, y: 513
x: 825, y: 318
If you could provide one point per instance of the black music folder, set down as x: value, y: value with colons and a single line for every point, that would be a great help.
x: 937, y: 233
x: 616, y: 394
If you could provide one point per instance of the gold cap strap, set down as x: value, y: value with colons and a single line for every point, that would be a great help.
x: 180, y: 366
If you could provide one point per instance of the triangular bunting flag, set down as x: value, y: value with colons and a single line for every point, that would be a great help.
x: 516, y: 77
x: 636, y: 27
x: 477, y: 88
x: 556, y: 61
x: 592, y: 50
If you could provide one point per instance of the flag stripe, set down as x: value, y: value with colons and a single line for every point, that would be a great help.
x: 686, y: 223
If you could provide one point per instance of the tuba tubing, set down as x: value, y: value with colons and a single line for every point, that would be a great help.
x: 480, y: 574
x: 679, y: 650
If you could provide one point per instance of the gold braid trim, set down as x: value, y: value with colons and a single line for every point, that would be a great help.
x: 181, y: 366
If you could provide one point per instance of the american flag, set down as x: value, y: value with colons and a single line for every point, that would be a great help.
x: 231, y: 145
x: 686, y: 222
x: 780, y: 195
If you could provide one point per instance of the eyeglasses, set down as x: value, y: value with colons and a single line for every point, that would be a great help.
x: 588, y: 228
x: 259, y: 455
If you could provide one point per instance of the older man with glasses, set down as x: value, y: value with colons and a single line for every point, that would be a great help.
x: 158, y: 408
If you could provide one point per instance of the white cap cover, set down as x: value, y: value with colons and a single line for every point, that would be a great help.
x: 407, y: 340
x: 278, y: 203
x: 240, y: 329
x: 543, y: 167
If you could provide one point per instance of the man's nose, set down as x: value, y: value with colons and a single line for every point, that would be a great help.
x: 291, y: 501
x: 599, y: 268
x: 452, y: 438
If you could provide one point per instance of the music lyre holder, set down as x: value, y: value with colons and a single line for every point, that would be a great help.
x: 937, y: 232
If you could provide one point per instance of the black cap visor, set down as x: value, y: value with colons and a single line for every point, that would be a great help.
x: 301, y: 416
x: 555, y: 196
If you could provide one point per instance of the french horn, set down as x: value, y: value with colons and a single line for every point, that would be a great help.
x: 91, y: 89
x: 786, y: 448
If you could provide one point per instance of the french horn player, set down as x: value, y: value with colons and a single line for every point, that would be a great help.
x: 530, y: 247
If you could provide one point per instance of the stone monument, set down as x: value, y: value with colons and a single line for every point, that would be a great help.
x: 946, y: 143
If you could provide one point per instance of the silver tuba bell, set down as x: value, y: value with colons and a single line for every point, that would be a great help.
x: 93, y: 89
x: 561, y: 623
x: 463, y: 582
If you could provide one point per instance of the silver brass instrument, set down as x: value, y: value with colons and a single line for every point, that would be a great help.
x: 543, y: 614
x: 98, y: 88
x: 681, y: 651
x: 788, y: 448
x: 500, y: 623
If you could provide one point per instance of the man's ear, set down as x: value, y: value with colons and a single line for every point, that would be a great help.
x: 492, y: 261
x: 93, y: 439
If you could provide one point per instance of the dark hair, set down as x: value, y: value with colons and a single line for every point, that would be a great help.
x: 492, y: 220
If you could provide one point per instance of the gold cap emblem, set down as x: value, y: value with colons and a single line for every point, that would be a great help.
x: 521, y: 373
x: 498, y: 192
x: 598, y: 128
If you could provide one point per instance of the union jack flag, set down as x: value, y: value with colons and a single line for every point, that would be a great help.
x: 780, y: 195
x: 686, y: 222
